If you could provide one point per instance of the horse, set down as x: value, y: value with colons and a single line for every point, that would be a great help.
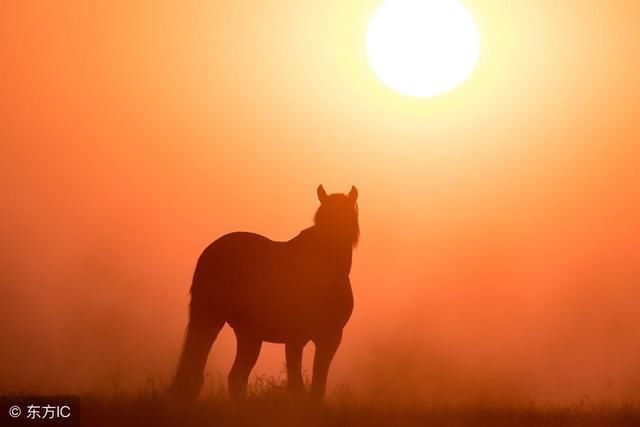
x: 288, y: 292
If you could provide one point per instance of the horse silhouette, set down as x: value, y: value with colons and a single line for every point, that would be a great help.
x: 288, y: 292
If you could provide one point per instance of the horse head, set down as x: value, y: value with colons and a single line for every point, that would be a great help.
x: 338, y: 215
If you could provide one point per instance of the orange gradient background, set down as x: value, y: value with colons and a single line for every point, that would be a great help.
x: 500, y: 249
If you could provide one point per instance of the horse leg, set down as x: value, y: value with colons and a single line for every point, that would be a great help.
x: 201, y: 332
x: 326, y: 347
x: 293, y: 352
x: 248, y: 349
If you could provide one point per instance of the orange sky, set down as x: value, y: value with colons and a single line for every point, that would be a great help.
x: 500, y: 243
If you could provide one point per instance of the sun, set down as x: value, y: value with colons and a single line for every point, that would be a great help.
x: 422, y: 48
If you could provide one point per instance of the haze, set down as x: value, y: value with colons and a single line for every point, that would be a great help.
x: 499, y: 256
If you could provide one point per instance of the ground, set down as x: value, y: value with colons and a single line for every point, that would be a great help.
x: 268, y: 405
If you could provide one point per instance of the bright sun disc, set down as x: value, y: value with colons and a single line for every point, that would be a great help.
x: 422, y: 48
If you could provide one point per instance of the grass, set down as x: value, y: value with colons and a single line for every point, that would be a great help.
x: 267, y: 404
x: 269, y: 412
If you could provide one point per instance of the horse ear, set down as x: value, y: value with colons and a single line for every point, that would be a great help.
x: 353, y: 194
x: 322, y: 195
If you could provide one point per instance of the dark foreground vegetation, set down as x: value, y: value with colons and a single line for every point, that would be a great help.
x: 143, y: 411
x: 268, y: 405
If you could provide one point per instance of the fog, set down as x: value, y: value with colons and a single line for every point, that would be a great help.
x: 464, y: 312
x: 499, y: 257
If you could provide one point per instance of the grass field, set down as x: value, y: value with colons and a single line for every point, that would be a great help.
x: 262, y: 411
x: 268, y: 405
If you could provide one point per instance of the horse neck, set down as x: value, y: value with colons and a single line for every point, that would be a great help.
x: 335, y: 255
x: 320, y: 238
x: 336, y: 251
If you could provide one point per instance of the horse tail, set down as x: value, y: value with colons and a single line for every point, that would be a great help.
x: 202, y: 330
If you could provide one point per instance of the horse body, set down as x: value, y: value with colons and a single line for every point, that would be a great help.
x: 280, y: 291
x: 288, y: 292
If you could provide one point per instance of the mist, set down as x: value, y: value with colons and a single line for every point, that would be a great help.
x: 499, y: 256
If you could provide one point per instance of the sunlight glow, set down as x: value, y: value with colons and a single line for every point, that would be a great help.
x: 422, y: 48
